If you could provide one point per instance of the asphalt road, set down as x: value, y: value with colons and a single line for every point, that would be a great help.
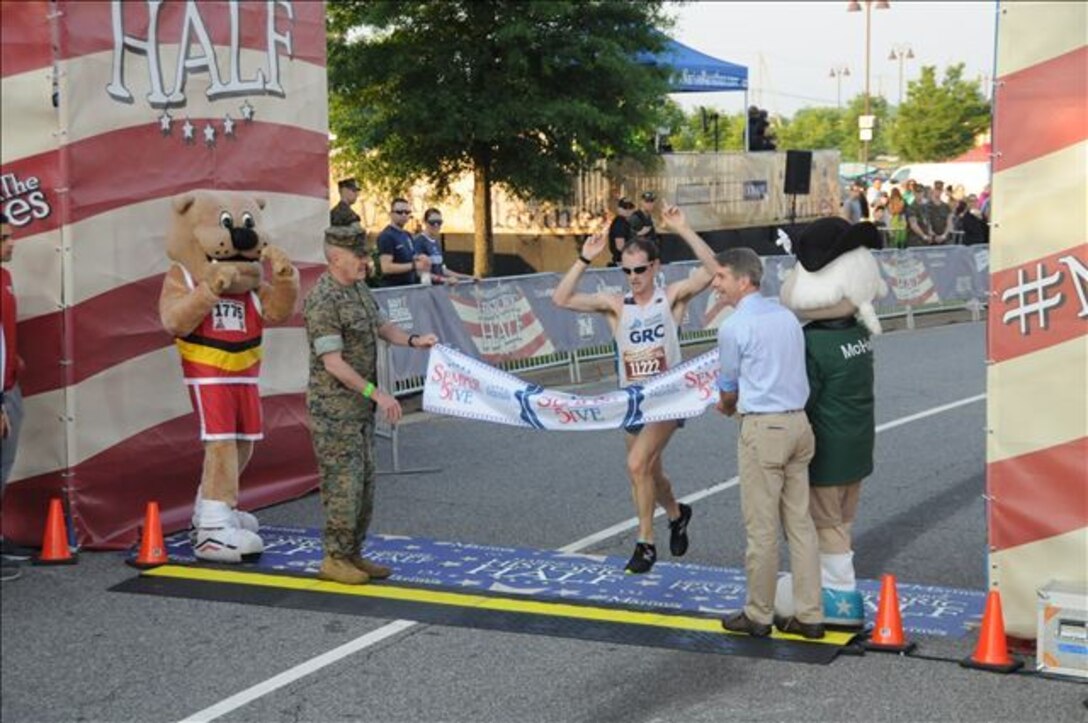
x: 71, y: 651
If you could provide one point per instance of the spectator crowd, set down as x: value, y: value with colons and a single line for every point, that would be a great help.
x: 917, y: 215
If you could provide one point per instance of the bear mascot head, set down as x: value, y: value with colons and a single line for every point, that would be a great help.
x: 836, y: 277
x: 215, y: 301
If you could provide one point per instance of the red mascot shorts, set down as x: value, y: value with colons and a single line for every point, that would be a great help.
x: 227, y: 411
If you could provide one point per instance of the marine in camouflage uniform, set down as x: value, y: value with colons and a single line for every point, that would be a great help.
x: 343, y: 317
x: 342, y: 213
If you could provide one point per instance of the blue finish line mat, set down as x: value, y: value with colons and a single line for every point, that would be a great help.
x: 595, y: 580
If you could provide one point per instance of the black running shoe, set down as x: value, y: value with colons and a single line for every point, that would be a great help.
x: 644, y: 558
x: 678, y: 531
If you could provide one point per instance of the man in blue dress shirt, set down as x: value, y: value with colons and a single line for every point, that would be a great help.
x: 762, y: 354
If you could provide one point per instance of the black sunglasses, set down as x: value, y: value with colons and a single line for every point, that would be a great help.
x: 435, y: 222
x: 402, y: 211
x: 636, y: 271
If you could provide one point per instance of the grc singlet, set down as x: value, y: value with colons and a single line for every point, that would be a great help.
x: 647, y: 340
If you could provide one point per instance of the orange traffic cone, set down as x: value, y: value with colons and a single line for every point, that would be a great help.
x: 992, y: 652
x: 888, y: 632
x: 55, y: 549
x: 152, y: 549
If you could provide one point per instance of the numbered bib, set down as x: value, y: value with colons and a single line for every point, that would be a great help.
x: 645, y: 363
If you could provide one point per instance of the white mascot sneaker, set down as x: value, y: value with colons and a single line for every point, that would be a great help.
x: 246, y: 521
x: 217, y: 539
x: 242, y: 520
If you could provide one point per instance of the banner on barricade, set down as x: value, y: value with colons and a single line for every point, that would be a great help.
x: 501, y: 321
x: 460, y: 386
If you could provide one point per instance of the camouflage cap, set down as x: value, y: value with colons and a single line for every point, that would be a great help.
x: 351, y: 237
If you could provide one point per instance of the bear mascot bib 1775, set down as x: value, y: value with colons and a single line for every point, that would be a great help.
x: 215, y: 302
x: 836, y: 277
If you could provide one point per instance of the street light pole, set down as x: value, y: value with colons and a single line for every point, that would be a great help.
x: 854, y: 7
x: 901, y: 52
x: 837, y: 72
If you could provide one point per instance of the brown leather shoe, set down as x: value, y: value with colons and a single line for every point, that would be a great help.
x: 741, y: 623
x: 372, y: 569
x: 339, y: 569
x: 793, y: 626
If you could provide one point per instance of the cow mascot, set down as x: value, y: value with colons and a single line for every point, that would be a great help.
x: 215, y: 303
x: 836, y: 279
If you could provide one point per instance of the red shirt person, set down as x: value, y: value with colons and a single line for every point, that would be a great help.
x: 11, y: 399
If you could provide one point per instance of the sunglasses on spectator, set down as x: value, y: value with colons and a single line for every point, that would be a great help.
x: 434, y: 222
x: 402, y: 211
x: 636, y: 271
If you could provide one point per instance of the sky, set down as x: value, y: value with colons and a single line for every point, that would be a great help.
x: 791, y: 47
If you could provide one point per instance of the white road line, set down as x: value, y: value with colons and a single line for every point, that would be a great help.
x: 929, y: 412
x: 386, y: 631
x: 300, y: 671
x: 633, y: 522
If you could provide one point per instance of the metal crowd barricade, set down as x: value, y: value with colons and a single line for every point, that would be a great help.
x: 383, y: 428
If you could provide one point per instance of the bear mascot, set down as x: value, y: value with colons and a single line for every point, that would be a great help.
x: 215, y: 303
x: 835, y: 280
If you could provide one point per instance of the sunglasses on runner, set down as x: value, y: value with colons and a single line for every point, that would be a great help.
x: 636, y: 271
x: 435, y: 222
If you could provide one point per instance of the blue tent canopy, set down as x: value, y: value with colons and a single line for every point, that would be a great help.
x: 696, y: 72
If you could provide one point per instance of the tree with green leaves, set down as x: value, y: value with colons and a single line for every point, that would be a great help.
x: 939, y: 122
x: 851, y: 140
x: 695, y: 131
x: 812, y: 128
x: 525, y: 94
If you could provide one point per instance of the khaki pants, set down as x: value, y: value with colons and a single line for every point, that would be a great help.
x: 833, y: 511
x: 774, y: 451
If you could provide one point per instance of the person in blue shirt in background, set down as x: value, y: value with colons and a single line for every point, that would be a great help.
x: 429, y: 243
x: 400, y: 264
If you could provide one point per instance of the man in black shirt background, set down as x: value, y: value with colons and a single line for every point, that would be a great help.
x: 642, y: 220
x: 619, y: 231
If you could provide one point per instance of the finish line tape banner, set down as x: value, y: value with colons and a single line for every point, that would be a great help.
x: 461, y: 386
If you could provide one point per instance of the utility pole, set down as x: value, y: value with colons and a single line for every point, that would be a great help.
x: 854, y: 7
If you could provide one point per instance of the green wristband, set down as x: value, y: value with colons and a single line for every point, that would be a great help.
x: 368, y: 390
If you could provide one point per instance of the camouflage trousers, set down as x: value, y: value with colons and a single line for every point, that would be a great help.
x: 345, y: 461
